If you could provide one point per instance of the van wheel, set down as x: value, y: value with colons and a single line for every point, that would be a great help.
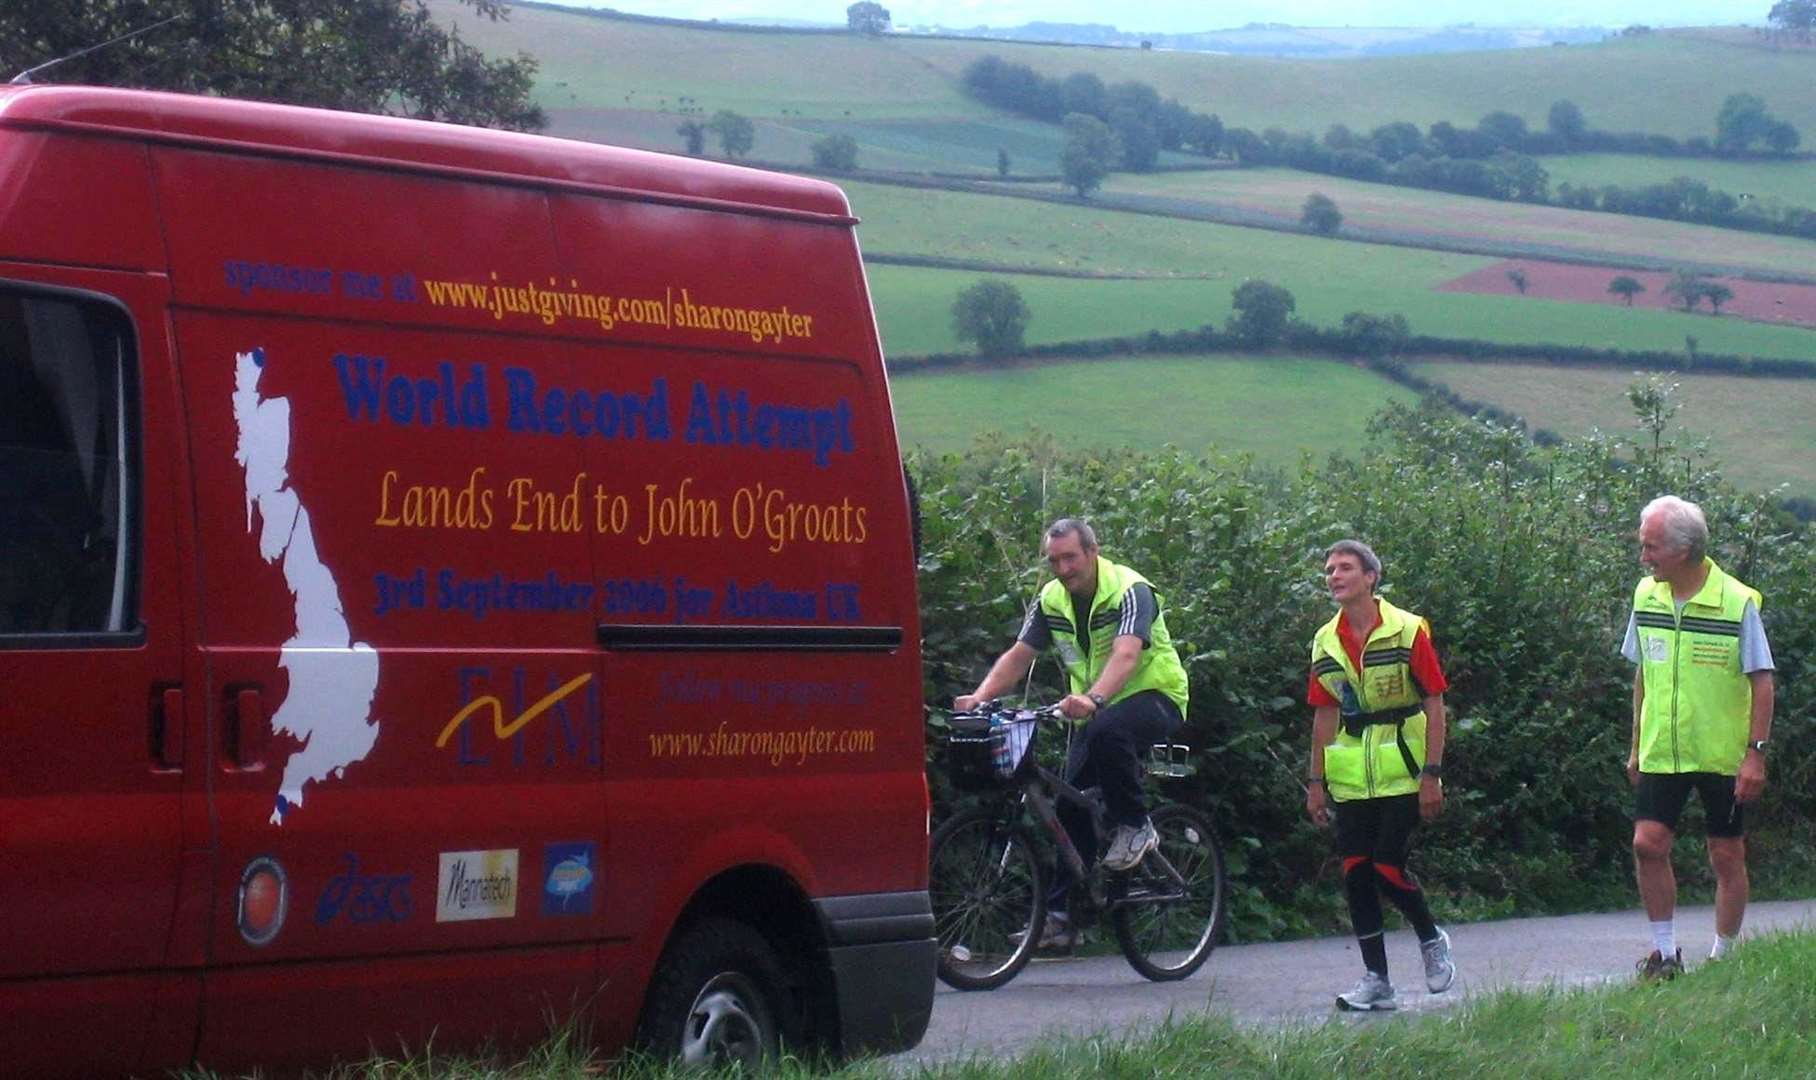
x: 715, y: 999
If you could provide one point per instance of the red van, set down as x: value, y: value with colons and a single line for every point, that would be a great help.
x: 450, y: 581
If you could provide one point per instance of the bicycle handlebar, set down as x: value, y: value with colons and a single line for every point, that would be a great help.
x: 986, y: 709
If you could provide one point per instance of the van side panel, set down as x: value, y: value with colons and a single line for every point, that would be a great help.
x: 727, y: 753
x: 77, y: 201
x: 397, y: 601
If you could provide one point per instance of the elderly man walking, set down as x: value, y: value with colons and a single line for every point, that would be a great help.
x: 1702, y: 713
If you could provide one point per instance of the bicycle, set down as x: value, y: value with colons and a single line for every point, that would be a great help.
x: 989, y: 887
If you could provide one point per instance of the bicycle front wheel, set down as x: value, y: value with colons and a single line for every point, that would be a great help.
x: 1172, y: 910
x: 989, y: 900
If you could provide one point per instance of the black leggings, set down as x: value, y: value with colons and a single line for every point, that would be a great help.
x: 1373, y: 836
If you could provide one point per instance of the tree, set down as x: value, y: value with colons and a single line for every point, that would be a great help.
x: 1082, y: 92
x: 1783, y: 138
x: 1091, y: 148
x: 695, y: 133
x: 1566, y: 122
x: 1504, y: 128
x: 1717, y: 294
x: 866, y: 17
x: 1320, y: 214
x: 1261, y: 312
x: 1796, y: 16
x: 1686, y: 287
x: 1743, y: 121
x: 736, y: 134
x: 1654, y: 403
x: 1518, y: 277
x: 1627, y: 287
x: 836, y: 152
x: 1002, y: 162
x: 1375, y: 335
x: 992, y: 315
x: 377, y: 56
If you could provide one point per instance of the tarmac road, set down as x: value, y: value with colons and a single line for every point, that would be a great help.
x: 1297, y: 981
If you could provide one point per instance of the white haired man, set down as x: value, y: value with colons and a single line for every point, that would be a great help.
x: 1702, y: 713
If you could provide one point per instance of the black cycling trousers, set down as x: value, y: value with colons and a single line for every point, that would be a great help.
x: 1373, y: 837
x: 1107, y: 754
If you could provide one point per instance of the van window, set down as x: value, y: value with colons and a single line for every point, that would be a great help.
x: 66, y: 471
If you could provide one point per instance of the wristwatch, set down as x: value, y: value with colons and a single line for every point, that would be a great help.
x: 1757, y: 744
x: 1098, y: 700
x: 1433, y: 769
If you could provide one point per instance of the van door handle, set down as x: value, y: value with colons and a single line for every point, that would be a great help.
x: 244, y: 730
x: 167, y: 727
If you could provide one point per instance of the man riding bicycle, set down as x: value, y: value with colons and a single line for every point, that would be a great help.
x: 1127, y: 687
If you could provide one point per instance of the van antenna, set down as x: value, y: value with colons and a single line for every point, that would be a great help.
x: 24, y: 78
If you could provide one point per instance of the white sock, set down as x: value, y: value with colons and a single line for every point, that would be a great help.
x: 1664, y: 939
x: 1722, y: 945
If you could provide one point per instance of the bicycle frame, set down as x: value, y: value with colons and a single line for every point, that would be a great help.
x: 1034, y: 793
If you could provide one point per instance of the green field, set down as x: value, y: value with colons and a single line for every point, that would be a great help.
x: 1761, y: 429
x: 1328, y: 278
x: 1791, y: 182
x: 613, y: 64
x: 1411, y: 214
x: 1272, y: 407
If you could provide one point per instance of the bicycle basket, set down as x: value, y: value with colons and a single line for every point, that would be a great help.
x: 986, y: 753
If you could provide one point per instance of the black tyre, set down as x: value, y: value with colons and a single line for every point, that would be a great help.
x: 989, y: 900
x: 1168, y: 926
x: 715, y: 998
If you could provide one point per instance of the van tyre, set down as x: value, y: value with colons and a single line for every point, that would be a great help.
x: 715, y: 998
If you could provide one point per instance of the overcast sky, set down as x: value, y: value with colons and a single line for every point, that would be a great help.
x: 1176, y: 16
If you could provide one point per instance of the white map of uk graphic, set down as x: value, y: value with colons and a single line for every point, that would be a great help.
x: 332, y: 677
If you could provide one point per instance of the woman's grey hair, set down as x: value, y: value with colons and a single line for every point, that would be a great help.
x: 1686, y: 529
x: 1362, y: 552
x: 1066, y: 526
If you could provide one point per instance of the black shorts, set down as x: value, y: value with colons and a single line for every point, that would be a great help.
x: 1661, y: 797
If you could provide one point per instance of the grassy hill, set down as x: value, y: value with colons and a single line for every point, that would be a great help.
x: 630, y: 82
x: 1761, y: 429
x: 1235, y: 405
x: 1793, y: 182
x: 1413, y: 215
x: 1665, y: 82
x: 1193, y: 266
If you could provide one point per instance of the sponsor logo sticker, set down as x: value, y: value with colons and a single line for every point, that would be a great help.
x: 359, y: 898
x: 476, y: 885
x: 1657, y: 648
x: 567, y: 888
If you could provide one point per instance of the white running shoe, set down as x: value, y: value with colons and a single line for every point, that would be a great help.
x: 1440, y: 969
x: 1056, y: 935
x: 1373, y: 993
x: 1129, y: 844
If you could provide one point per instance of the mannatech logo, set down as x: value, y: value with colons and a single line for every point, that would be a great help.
x: 476, y: 885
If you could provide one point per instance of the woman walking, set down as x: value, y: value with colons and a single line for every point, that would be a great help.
x: 1377, y: 698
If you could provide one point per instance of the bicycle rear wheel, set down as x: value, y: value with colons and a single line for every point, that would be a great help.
x: 989, y: 900
x: 1168, y: 926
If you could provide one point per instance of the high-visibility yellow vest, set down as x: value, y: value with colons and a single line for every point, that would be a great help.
x: 1380, y: 746
x: 1698, y: 703
x: 1159, y: 667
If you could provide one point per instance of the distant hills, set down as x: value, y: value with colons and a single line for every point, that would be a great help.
x: 1295, y: 42
x: 1256, y: 39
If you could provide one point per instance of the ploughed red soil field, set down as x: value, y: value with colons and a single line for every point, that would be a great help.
x: 1765, y: 301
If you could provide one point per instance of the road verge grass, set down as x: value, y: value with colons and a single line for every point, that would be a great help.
x: 1753, y: 1014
